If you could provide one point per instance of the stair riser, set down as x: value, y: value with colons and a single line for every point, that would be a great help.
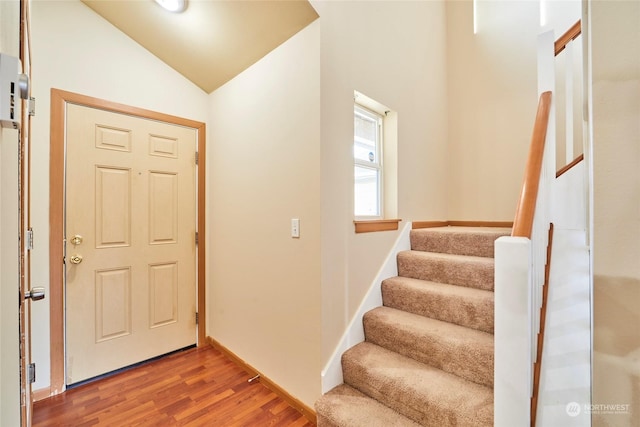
x: 428, y: 355
x: 345, y: 406
x: 449, y: 245
x: 472, y: 361
x: 359, y: 379
x: 322, y: 421
x: 403, y: 389
x: 471, y: 272
x: 475, y: 313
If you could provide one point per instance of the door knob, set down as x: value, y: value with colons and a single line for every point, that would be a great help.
x: 75, y: 259
x: 35, y: 294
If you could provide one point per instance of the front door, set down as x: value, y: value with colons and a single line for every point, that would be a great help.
x: 130, y: 250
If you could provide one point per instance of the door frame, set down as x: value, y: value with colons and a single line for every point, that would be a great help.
x: 24, y: 223
x: 59, y: 100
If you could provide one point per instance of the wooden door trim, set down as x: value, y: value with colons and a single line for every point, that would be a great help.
x: 59, y: 99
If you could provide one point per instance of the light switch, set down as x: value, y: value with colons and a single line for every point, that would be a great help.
x: 295, y: 227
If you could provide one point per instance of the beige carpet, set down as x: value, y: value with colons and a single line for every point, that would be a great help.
x: 427, y: 359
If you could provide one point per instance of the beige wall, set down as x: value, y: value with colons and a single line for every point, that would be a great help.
x: 9, y: 279
x: 359, y: 48
x: 76, y: 50
x: 392, y: 52
x: 615, y: 33
x: 264, y: 162
x: 9, y: 275
x: 280, y: 147
x: 492, y: 91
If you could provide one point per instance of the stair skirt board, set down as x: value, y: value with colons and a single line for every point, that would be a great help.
x: 332, y: 372
x: 426, y: 353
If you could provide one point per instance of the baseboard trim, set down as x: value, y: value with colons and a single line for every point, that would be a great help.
x: 505, y: 224
x: 428, y: 224
x: 376, y: 225
x: 308, y: 413
x: 432, y: 224
x: 41, y: 394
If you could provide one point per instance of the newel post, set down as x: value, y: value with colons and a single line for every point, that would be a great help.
x: 512, y: 332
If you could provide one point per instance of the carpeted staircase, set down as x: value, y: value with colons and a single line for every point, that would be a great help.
x: 427, y: 359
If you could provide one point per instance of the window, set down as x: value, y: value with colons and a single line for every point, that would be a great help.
x: 375, y: 165
x: 367, y: 159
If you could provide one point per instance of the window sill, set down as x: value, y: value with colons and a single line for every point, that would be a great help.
x: 376, y: 225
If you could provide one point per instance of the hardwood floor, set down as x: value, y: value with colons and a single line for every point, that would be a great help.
x: 197, y: 387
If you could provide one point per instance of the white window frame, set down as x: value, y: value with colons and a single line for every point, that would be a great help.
x: 378, y: 166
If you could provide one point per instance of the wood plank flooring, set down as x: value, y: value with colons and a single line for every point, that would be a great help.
x: 197, y: 387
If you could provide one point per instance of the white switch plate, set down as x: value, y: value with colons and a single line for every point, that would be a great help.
x: 295, y: 227
x: 9, y: 91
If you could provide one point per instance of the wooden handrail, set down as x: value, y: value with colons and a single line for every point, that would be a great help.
x: 567, y: 167
x: 523, y: 223
x: 564, y: 39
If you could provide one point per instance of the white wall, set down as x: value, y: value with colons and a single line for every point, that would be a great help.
x: 264, y: 293
x: 9, y: 274
x: 393, y: 52
x: 76, y: 50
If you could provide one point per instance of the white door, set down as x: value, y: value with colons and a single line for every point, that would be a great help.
x: 130, y: 250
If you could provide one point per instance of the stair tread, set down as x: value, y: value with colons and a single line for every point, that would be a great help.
x: 481, y: 260
x: 470, y: 307
x: 445, y: 288
x: 477, y: 241
x: 347, y: 407
x: 423, y: 393
x: 467, y: 229
x: 428, y: 354
x: 463, y: 351
x: 428, y: 326
x: 461, y: 270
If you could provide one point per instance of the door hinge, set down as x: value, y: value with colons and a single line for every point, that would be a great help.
x: 31, y: 106
x: 197, y: 239
x: 29, y: 239
x: 31, y: 373
x: 197, y: 318
x: 197, y: 157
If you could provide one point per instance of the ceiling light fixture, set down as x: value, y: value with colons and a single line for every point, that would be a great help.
x: 176, y: 6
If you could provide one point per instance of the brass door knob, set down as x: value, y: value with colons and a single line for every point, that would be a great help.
x: 75, y: 259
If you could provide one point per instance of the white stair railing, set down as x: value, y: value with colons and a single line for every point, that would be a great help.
x: 520, y: 262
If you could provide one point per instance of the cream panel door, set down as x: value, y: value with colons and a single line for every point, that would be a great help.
x: 130, y: 240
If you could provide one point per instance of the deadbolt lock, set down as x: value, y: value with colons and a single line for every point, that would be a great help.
x: 76, y: 240
x: 35, y: 294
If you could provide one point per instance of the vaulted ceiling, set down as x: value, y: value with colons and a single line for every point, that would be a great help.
x: 212, y: 40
